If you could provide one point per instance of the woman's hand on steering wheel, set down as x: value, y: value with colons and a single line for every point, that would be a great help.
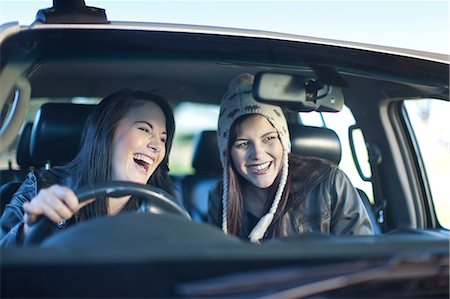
x: 154, y: 199
x: 57, y: 203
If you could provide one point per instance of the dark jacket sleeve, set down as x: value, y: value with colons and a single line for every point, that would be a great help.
x: 11, y: 222
x: 349, y: 215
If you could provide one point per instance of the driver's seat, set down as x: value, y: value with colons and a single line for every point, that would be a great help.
x: 55, y: 138
x: 56, y: 133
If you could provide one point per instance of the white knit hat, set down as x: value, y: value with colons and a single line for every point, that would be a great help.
x: 239, y: 101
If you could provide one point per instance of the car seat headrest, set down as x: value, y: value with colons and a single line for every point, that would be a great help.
x: 56, y: 132
x: 317, y: 142
x: 23, y: 156
x: 206, y: 153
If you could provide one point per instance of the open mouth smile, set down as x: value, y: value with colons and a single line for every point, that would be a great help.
x: 260, y: 169
x: 143, y: 162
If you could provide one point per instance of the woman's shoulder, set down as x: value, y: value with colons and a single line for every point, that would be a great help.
x: 306, y: 173
x: 306, y: 166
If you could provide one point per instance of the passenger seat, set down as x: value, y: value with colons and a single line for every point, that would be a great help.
x: 324, y: 143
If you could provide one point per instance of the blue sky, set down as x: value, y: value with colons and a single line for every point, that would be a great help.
x: 419, y: 25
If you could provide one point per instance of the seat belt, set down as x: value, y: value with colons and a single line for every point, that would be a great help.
x: 375, y: 159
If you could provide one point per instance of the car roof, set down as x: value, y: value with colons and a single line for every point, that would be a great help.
x: 122, y: 48
x: 187, y: 28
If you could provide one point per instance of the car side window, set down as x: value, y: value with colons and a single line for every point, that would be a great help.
x: 430, y: 130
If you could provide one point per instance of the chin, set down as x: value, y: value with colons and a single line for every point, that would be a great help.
x: 138, y: 179
x: 263, y: 185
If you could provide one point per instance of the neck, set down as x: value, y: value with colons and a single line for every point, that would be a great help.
x: 116, y: 204
x: 255, y: 198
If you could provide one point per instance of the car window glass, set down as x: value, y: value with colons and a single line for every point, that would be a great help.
x: 190, y: 118
x: 433, y: 138
x: 340, y: 122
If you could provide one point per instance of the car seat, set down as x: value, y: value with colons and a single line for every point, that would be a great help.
x: 207, y: 170
x: 324, y: 143
x: 54, y: 139
x: 56, y: 133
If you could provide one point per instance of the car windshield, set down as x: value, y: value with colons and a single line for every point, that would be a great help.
x: 293, y: 167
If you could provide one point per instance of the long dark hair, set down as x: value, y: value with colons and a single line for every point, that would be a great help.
x: 93, y: 162
x: 235, y: 184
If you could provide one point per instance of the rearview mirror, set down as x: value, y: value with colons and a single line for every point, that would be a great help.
x: 297, y: 93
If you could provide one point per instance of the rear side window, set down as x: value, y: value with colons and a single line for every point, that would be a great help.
x: 340, y: 123
x: 428, y: 119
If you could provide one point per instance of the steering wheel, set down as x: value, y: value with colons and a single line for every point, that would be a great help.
x: 155, y: 201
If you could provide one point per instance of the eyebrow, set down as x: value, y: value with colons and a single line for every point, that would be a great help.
x: 149, y: 124
x: 240, y: 139
x: 262, y: 136
x: 269, y: 133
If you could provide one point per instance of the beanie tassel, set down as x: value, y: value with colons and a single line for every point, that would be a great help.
x: 261, y: 227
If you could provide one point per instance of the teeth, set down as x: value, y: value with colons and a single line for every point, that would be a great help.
x: 259, y: 167
x: 144, y: 158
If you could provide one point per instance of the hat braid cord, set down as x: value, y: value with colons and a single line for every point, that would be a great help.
x: 225, y: 200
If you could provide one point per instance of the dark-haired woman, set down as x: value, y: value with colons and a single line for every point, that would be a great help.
x: 127, y: 137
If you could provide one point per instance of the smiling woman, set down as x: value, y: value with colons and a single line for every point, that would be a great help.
x: 268, y: 192
x: 139, y: 126
x: 140, y: 137
x: 254, y: 138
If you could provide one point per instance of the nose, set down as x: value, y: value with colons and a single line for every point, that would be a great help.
x: 154, y: 144
x: 257, y: 151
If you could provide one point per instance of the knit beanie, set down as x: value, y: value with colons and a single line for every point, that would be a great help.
x: 239, y: 101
